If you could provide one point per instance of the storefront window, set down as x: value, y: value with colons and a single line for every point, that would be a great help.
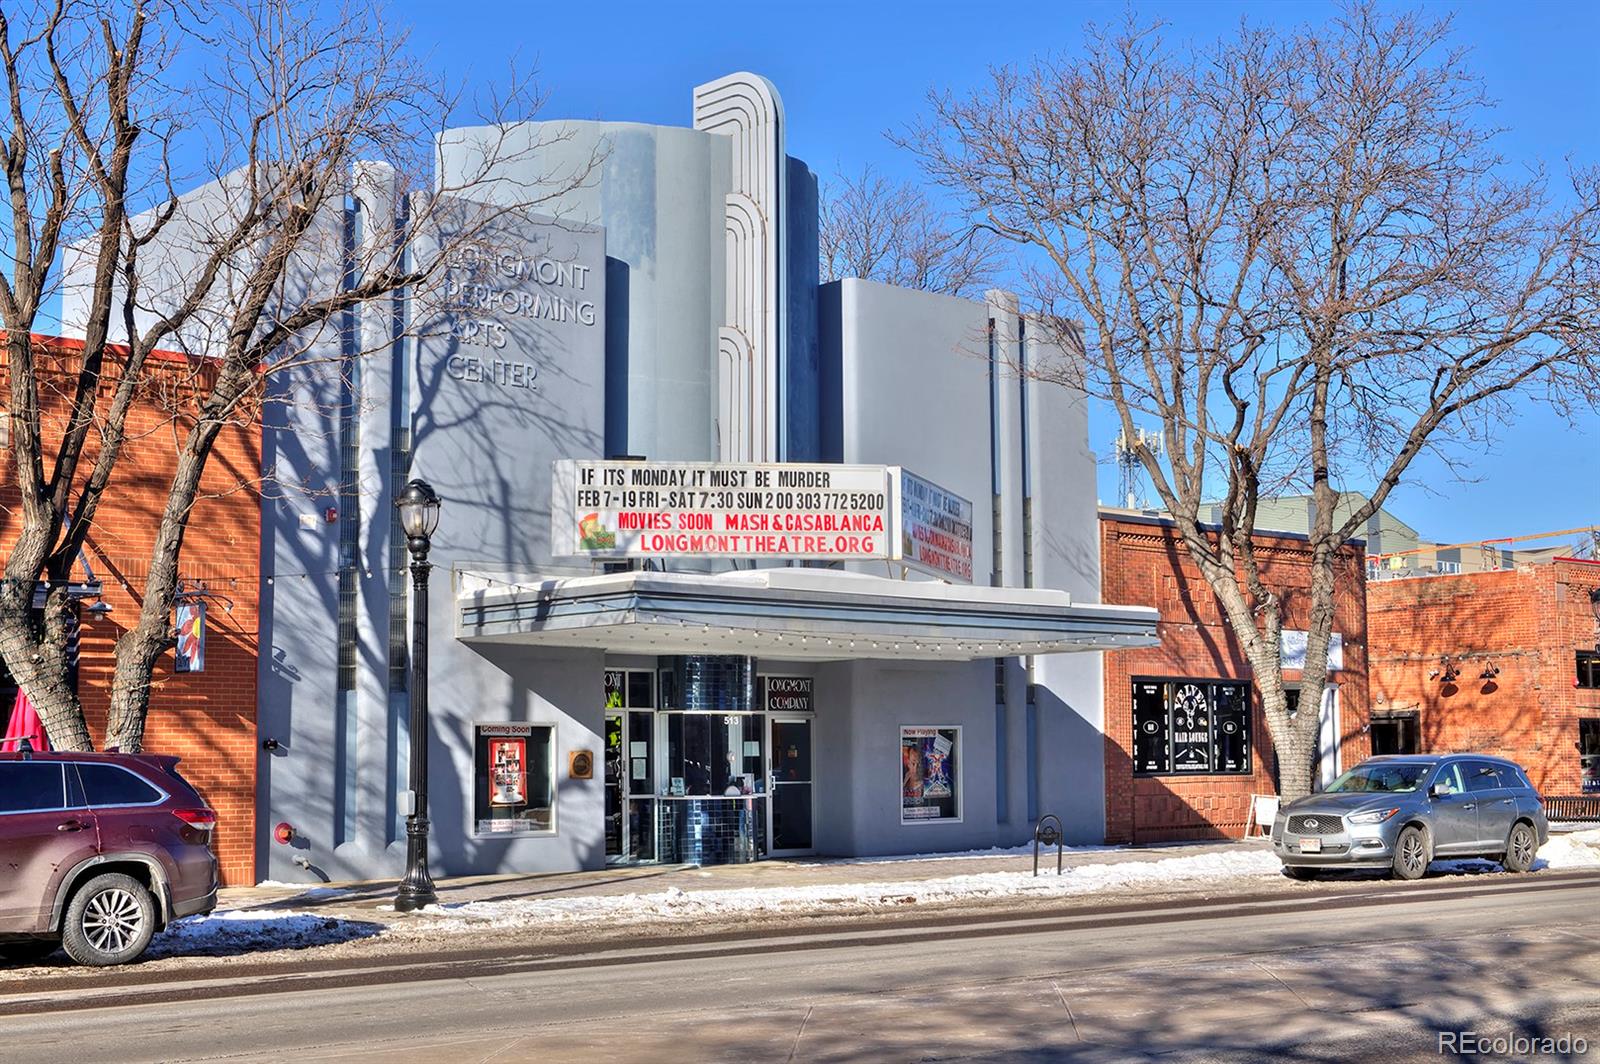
x: 1395, y: 733
x: 1586, y: 671
x: 714, y: 754
x: 513, y: 779
x: 1191, y: 727
x: 930, y: 775
x: 1589, y: 753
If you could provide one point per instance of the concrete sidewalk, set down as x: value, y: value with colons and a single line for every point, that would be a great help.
x: 365, y: 896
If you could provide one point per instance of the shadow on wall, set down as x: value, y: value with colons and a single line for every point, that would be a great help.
x: 1070, y: 762
x: 1080, y: 555
x: 617, y: 285
x: 473, y: 439
x: 453, y: 847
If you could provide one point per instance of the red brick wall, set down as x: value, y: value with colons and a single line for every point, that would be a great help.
x: 208, y: 718
x: 1144, y: 563
x: 1529, y: 623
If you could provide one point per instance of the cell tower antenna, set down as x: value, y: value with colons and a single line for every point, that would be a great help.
x: 1131, y: 468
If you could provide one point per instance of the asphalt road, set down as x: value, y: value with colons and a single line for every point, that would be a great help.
x: 1375, y: 975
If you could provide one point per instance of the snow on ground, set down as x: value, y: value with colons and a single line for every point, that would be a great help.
x: 231, y: 931
x: 1578, y: 849
x: 1581, y: 850
x: 674, y: 904
x: 1025, y: 850
x: 305, y: 891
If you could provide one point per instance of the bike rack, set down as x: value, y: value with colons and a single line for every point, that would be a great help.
x: 1048, y: 832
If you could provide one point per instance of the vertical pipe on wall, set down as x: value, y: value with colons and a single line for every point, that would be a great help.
x: 1002, y: 782
x: 1031, y: 748
x: 348, y: 514
x: 400, y: 391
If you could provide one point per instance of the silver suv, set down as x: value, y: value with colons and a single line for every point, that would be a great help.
x: 1401, y: 812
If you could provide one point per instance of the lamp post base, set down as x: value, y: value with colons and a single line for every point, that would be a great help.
x: 416, y: 889
x: 412, y: 897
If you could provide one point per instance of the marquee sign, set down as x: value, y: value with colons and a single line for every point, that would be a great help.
x: 935, y: 528
x: 622, y: 509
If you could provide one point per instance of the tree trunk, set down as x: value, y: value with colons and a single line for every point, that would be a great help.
x: 1258, y: 625
x: 37, y: 655
x: 1297, y: 755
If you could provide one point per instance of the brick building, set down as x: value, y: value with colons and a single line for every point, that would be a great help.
x: 1186, y: 739
x: 207, y: 718
x: 1498, y: 662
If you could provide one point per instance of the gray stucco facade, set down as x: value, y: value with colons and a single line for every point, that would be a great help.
x: 692, y: 328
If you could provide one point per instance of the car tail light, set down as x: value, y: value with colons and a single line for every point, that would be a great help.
x: 204, y: 819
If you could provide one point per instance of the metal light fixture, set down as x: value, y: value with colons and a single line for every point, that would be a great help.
x: 419, y: 516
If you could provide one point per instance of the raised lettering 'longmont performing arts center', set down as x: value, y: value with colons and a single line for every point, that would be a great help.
x: 731, y: 564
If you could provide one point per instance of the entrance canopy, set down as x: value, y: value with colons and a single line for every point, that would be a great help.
x: 794, y: 613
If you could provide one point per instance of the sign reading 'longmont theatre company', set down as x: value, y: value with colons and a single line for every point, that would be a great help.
x: 617, y: 509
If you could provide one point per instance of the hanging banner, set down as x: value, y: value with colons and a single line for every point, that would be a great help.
x: 189, y: 655
x: 1292, y: 646
x: 822, y: 512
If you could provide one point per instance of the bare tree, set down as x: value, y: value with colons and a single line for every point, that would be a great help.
x: 294, y: 119
x: 881, y: 230
x: 1300, y: 250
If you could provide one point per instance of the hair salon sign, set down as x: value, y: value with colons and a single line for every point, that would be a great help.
x: 618, y: 509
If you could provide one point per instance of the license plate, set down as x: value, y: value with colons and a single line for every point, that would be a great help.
x: 1310, y: 845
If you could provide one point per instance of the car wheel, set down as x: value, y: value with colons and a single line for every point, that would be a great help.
x: 110, y: 921
x: 27, y: 950
x: 1520, y: 848
x: 1300, y: 872
x: 1411, y: 853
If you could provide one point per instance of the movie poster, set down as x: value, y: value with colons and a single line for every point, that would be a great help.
x: 508, y: 771
x: 928, y: 774
x: 189, y: 655
x: 513, y: 790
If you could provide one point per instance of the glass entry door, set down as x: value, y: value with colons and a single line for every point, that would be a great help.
x: 616, y: 787
x: 790, y: 822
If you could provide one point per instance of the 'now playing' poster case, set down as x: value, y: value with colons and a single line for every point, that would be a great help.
x: 929, y: 774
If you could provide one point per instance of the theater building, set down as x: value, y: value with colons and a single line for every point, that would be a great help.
x: 730, y: 564
x: 1186, y: 742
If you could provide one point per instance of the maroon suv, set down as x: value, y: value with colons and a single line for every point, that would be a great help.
x: 97, y: 853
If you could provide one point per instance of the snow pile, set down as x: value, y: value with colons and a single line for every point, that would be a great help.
x: 675, y: 905
x: 1580, y: 849
x: 231, y: 931
x: 1024, y: 850
x: 305, y: 891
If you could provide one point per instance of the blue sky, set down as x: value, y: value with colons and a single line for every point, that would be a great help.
x: 850, y: 71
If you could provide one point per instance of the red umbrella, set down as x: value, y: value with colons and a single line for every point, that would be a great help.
x: 25, y: 724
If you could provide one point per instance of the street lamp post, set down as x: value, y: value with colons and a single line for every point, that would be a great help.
x: 419, y: 516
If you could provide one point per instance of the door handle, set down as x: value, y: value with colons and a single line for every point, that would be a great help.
x: 70, y: 825
x: 1469, y: 805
